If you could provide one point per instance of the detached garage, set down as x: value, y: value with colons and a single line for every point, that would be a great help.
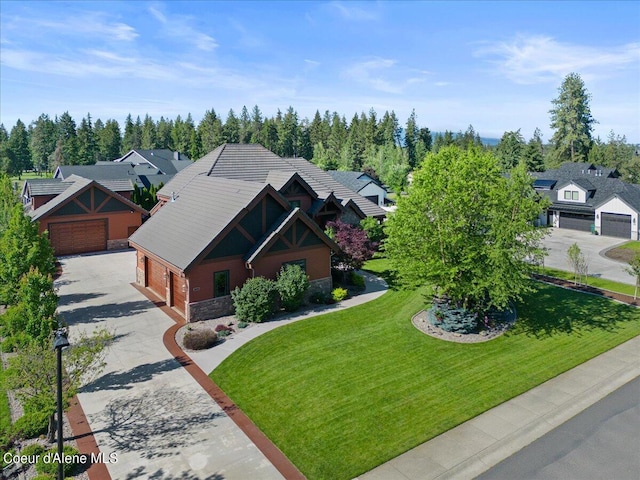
x: 88, y: 217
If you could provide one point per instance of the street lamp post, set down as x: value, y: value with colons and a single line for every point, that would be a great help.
x: 59, y: 342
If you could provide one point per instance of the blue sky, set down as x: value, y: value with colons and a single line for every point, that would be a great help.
x: 494, y: 65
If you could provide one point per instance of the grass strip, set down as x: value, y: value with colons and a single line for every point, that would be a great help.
x: 344, y: 392
x: 597, y: 282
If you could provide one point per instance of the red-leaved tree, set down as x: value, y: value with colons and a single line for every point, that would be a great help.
x: 354, y: 243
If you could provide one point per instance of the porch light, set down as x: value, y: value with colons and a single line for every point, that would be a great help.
x: 597, y: 216
x: 634, y: 220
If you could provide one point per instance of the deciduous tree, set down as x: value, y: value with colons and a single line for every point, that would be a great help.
x: 466, y: 229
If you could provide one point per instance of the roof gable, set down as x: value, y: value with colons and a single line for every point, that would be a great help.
x: 79, y: 188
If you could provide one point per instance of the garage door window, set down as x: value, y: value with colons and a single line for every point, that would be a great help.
x: 221, y: 283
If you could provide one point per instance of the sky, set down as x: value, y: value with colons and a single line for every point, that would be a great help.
x: 493, y: 65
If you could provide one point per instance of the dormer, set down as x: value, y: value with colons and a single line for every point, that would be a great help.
x: 292, y: 187
x: 576, y: 191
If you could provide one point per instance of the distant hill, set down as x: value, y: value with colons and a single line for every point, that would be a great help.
x: 490, y: 142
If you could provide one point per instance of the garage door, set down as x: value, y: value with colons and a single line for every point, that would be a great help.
x: 576, y: 221
x: 177, y: 292
x: 156, y: 278
x: 78, y: 237
x: 615, y: 225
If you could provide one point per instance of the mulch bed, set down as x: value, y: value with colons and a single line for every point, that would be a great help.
x: 620, y: 297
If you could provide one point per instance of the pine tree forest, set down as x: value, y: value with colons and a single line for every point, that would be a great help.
x: 381, y: 145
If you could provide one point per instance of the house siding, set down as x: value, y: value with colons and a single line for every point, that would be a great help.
x: 582, y: 195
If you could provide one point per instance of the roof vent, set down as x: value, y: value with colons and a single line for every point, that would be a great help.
x: 173, y: 196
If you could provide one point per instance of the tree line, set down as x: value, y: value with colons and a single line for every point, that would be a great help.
x: 381, y: 145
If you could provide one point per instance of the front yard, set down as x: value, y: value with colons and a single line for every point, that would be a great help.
x: 344, y: 392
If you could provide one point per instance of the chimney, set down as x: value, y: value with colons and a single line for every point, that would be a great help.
x: 176, y: 155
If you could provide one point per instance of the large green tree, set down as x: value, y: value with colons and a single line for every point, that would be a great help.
x: 511, y: 149
x: 534, y: 153
x: 18, y: 146
x: 467, y: 229
x: 42, y: 142
x: 571, y: 121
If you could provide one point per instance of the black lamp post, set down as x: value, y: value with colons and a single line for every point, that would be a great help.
x: 59, y: 342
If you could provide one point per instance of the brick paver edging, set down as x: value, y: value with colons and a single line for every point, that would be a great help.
x: 266, y: 446
x: 85, y: 440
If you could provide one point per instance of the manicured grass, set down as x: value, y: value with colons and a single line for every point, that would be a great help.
x: 27, y: 176
x: 344, y: 392
x: 602, y: 283
x: 631, y: 245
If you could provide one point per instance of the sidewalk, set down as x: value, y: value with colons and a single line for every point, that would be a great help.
x: 477, y: 445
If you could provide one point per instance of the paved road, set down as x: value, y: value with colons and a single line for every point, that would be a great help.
x: 144, y: 406
x: 559, y: 241
x: 603, y: 442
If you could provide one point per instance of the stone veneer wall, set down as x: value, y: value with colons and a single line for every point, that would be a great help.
x: 214, y: 308
x: 121, y: 244
x: 322, y: 285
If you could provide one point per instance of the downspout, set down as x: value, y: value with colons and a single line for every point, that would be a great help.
x: 248, y: 266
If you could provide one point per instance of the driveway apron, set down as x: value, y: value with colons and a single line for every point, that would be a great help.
x: 144, y: 407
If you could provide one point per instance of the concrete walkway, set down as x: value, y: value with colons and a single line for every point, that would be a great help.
x: 477, y: 445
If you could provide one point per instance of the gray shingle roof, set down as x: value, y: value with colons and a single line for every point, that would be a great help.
x: 115, y: 171
x: 602, y: 186
x: 255, y: 163
x: 181, y: 230
x: 352, y: 180
x: 44, y: 186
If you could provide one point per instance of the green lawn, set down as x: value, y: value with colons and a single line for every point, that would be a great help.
x: 344, y: 392
x: 631, y: 245
x: 27, y: 176
x: 5, y: 413
x: 602, y: 283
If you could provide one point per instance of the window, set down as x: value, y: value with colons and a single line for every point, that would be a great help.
x: 221, y: 283
x: 302, y: 263
x: 569, y: 195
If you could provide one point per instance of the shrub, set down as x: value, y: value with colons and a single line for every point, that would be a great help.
x: 222, y: 328
x: 243, y: 324
x: 50, y: 467
x: 451, y: 319
x: 292, y: 285
x: 339, y: 294
x: 31, y: 425
x: 200, y: 339
x: 256, y: 300
x: 318, y: 297
x: 44, y: 476
x: 32, y: 450
x: 356, y: 280
x: 224, y: 333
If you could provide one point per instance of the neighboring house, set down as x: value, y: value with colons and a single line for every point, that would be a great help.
x: 155, y: 162
x: 364, y: 185
x: 143, y: 176
x: 240, y: 211
x: 588, y: 197
x: 82, y: 215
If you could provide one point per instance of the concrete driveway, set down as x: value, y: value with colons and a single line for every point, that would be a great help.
x: 144, y: 406
x: 593, y: 246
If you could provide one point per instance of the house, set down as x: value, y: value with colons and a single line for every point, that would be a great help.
x: 364, y: 185
x: 82, y: 215
x: 155, y: 162
x: 240, y: 211
x: 143, y: 176
x: 592, y: 198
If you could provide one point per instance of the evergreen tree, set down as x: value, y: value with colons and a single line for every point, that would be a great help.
x: 411, y: 138
x: 534, y: 153
x: 163, y: 133
x: 132, y: 139
x: 18, y: 146
x: 338, y: 136
x: 305, y: 148
x: 181, y: 134
x: 270, y: 135
x: 21, y: 248
x: 510, y: 151
x: 244, y: 126
x: 210, y: 132
x: 42, y: 142
x: 148, y: 140
x: 571, y: 121
x: 109, y: 141
x: 316, y: 133
x: 87, y: 144
x: 256, y: 125
x: 231, y: 129
x: 288, y: 134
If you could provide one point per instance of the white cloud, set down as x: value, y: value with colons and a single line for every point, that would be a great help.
x: 538, y: 59
x: 183, y: 27
x: 349, y: 11
x: 384, y: 75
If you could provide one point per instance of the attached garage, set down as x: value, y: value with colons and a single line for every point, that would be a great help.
x: 70, y: 238
x: 156, y: 277
x: 577, y: 221
x: 616, y: 225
